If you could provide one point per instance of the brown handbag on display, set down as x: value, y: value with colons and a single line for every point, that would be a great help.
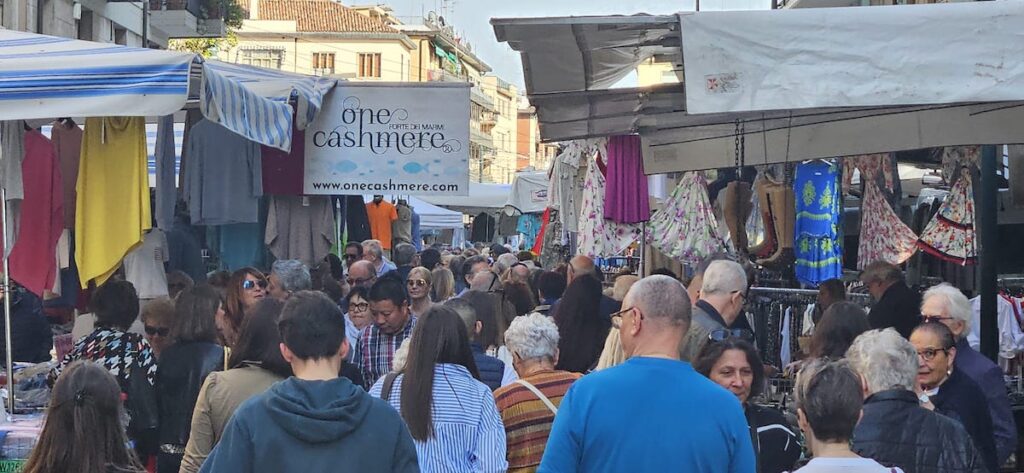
x: 767, y: 247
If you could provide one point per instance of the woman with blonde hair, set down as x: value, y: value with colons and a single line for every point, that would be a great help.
x: 443, y: 282
x: 612, y: 354
x: 419, y: 284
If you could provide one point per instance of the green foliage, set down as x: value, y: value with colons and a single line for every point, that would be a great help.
x: 206, y: 47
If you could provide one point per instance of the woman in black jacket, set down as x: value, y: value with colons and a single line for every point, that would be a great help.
x: 734, y: 364
x: 184, y: 365
x: 949, y: 392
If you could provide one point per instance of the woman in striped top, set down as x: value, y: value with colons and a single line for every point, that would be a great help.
x: 528, y: 405
x: 451, y: 415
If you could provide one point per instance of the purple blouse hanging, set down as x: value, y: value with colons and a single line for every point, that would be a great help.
x: 626, y: 199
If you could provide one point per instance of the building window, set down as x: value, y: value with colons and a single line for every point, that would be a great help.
x: 369, y: 65
x: 323, y: 64
x: 268, y: 58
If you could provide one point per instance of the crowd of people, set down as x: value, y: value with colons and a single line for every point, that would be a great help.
x: 481, y: 360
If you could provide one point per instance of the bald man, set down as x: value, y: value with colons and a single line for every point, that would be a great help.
x: 583, y: 266
x: 362, y: 274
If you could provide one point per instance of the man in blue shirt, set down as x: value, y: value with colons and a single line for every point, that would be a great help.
x: 652, y: 413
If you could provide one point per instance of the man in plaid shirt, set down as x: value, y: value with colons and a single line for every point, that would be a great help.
x: 392, y: 324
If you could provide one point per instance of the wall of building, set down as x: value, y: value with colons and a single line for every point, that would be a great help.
x: 297, y: 51
x: 505, y: 132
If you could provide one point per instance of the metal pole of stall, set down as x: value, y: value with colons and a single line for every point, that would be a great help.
x: 7, y: 306
x: 988, y: 235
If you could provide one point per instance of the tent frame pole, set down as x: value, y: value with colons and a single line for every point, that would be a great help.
x: 7, y: 306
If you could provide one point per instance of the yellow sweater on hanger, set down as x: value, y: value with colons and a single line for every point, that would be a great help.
x: 112, y: 211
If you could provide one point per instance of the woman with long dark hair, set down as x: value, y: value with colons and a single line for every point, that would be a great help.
x: 245, y: 289
x: 839, y: 326
x: 255, y: 364
x: 581, y: 328
x: 451, y: 415
x: 84, y: 432
x: 734, y: 364
x: 184, y: 366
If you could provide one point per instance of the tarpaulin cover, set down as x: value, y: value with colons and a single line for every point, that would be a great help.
x: 738, y: 61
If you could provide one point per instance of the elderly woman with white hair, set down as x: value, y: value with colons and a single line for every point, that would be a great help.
x: 895, y: 430
x: 528, y: 405
x: 946, y: 304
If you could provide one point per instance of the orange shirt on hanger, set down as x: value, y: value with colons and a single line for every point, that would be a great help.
x: 381, y: 215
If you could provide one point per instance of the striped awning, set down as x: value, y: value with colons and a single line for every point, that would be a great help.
x: 49, y: 77
x: 254, y: 101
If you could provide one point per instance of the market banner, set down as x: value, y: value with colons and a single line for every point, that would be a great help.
x: 391, y: 138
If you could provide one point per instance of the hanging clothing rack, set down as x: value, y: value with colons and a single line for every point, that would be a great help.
x: 802, y: 292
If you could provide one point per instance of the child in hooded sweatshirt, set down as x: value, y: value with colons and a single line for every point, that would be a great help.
x: 314, y: 421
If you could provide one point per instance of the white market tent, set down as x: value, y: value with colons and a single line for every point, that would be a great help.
x: 432, y: 217
x: 803, y: 84
x: 45, y: 77
x: 481, y: 198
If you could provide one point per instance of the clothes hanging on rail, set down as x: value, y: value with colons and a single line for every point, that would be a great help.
x: 883, y: 236
x: 626, y: 199
x: 224, y: 177
x: 33, y: 259
x: 283, y: 171
x: 956, y: 157
x: 529, y: 226
x: 484, y: 227
x: 951, y: 233
x: 686, y: 228
x: 165, y: 155
x: 300, y: 227
x: 144, y: 266
x: 401, y: 229
x: 67, y: 142
x: 381, y: 214
x: 598, y: 237
x: 357, y: 222
x: 113, y: 179
x: 1011, y: 335
x: 819, y: 252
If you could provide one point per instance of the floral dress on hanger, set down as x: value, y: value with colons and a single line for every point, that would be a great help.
x: 883, y: 236
x: 686, y: 228
x: 598, y: 237
x: 951, y: 235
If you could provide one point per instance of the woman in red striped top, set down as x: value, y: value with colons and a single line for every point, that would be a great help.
x: 528, y: 405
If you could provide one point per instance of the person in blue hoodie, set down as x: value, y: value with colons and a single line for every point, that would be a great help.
x: 314, y: 421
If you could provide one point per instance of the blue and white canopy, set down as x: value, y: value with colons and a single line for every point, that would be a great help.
x: 52, y: 77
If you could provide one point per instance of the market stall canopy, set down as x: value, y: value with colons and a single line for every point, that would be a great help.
x: 51, y: 77
x: 432, y: 217
x: 481, y: 198
x: 676, y: 140
x: 46, y: 77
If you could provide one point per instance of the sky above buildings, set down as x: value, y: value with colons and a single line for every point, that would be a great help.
x: 472, y: 19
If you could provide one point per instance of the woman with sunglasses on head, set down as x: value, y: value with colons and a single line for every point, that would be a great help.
x: 946, y: 390
x: 734, y: 364
x: 419, y: 285
x: 246, y: 288
x: 84, y: 431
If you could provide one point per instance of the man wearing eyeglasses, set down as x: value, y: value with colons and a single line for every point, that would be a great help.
x: 947, y: 305
x: 652, y: 413
x: 353, y: 253
x: 722, y: 295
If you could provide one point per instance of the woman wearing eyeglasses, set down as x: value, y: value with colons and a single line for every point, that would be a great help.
x: 246, y: 288
x: 946, y: 390
x: 419, y: 285
x: 734, y: 364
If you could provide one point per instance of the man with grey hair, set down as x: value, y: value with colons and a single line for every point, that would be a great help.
x: 644, y: 434
x: 287, y: 277
x: 493, y: 372
x: 896, y: 304
x: 895, y: 429
x: 374, y: 253
x: 404, y: 254
x: 722, y: 294
x: 533, y: 340
x: 504, y: 262
x: 946, y: 304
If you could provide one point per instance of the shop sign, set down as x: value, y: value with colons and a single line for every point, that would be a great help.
x: 395, y: 139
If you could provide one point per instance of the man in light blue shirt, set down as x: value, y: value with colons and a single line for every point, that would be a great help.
x: 652, y: 413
